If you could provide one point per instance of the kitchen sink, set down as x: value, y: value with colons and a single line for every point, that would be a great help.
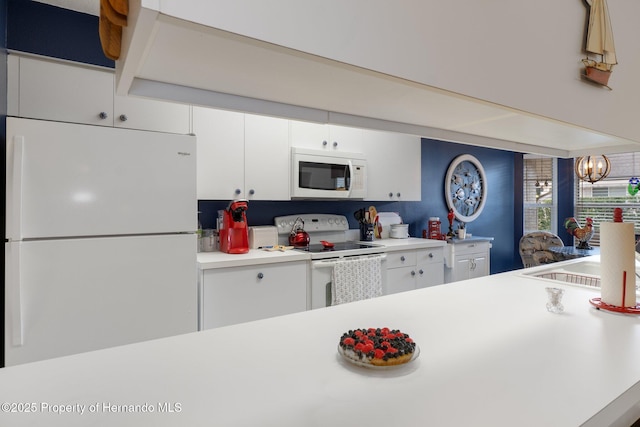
x: 582, y: 273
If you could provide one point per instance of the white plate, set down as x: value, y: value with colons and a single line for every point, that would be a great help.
x: 416, y: 353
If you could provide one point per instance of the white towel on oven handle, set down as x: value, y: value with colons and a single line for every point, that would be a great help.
x: 356, y: 279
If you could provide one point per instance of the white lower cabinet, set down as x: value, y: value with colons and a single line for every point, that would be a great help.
x: 467, y: 260
x: 414, y: 269
x: 430, y: 267
x: 242, y: 294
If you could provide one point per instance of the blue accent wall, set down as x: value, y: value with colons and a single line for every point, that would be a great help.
x: 52, y: 31
x: 566, y: 197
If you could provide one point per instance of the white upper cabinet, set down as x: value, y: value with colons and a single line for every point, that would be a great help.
x: 61, y: 92
x: 52, y: 90
x: 267, y: 163
x: 220, y: 142
x: 394, y: 166
x: 326, y: 137
x: 148, y: 114
x: 241, y: 156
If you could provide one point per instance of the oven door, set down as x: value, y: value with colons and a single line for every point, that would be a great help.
x: 321, y: 281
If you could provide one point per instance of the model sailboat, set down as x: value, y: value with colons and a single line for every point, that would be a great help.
x: 600, y: 43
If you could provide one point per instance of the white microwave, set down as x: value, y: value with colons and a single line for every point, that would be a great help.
x: 328, y: 175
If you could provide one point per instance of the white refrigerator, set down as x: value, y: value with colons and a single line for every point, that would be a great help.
x: 100, y: 245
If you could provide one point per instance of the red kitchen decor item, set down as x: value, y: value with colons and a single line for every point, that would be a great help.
x: 298, y: 238
x: 234, y: 234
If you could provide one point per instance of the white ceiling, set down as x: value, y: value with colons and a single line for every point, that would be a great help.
x: 91, y: 7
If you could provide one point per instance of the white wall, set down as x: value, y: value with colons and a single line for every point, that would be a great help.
x: 521, y: 54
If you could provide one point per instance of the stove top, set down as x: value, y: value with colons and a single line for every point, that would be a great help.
x: 329, y: 227
x: 342, y: 249
x: 337, y: 247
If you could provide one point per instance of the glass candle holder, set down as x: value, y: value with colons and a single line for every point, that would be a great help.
x: 554, y: 305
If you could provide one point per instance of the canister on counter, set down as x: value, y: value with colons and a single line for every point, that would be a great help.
x: 434, y: 228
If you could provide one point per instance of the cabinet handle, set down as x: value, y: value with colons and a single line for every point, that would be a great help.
x: 413, y: 273
x: 390, y: 194
x: 103, y: 115
x: 473, y: 264
x: 402, y: 258
x: 238, y: 191
x: 398, y: 194
x: 430, y: 254
x: 335, y: 144
x: 324, y: 143
x: 123, y: 117
x: 252, y: 191
x: 260, y: 275
x: 421, y: 271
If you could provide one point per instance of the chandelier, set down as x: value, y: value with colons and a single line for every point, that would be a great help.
x: 592, y: 168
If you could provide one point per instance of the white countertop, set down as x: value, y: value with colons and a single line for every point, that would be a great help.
x: 491, y: 355
x: 209, y: 260
x: 409, y: 243
x: 470, y: 239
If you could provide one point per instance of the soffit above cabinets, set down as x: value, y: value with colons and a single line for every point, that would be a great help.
x: 168, y: 58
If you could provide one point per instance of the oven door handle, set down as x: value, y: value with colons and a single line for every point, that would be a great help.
x: 324, y: 264
x: 350, y: 164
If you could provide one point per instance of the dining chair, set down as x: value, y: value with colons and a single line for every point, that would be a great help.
x: 534, y: 248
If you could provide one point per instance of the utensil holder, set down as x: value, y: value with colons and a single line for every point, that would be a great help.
x: 366, y: 232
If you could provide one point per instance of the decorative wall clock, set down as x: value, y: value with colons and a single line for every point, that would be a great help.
x: 465, y: 187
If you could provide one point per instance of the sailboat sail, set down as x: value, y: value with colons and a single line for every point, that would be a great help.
x: 600, y: 35
x: 599, y: 42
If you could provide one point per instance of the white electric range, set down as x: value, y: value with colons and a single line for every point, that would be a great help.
x: 335, y: 229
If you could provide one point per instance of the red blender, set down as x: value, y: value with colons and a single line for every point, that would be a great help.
x: 234, y: 234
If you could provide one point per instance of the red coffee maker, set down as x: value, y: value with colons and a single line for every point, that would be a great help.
x: 234, y: 233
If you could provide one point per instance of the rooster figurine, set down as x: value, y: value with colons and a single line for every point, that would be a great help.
x: 583, y: 234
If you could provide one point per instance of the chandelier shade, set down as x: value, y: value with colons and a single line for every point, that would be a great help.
x: 592, y: 168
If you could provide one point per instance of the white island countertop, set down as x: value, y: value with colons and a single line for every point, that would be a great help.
x: 491, y: 355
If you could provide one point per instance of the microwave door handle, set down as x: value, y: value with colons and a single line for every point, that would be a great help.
x: 350, y: 165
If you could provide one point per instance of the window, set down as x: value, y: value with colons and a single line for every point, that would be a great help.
x: 599, y: 199
x: 540, y: 194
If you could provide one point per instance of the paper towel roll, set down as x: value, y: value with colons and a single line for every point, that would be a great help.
x: 617, y: 256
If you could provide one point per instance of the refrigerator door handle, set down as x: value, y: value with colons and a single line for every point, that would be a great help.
x: 14, y: 293
x: 14, y: 190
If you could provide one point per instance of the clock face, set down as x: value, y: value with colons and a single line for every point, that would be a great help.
x: 465, y: 187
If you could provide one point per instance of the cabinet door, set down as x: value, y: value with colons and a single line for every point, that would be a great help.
x: 344, y: 138
x: 430, y: 269
x: 66, y: 93
x: 478, y: 266
x: 326, y: 137
x: 220, y: 142
x: 149, y: 114
x: 394, y: 166
x: 400, y: 280
x: 309, y: 135
x: 267, y: 158
x: 429, y: 275
x: 243, y: 294
x: 461, y: 268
